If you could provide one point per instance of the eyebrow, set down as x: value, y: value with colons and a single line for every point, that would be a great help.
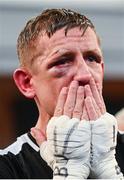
x: 63, y: 52
x: 40, y: 54
x: 60, y: 51
x: 95, y: 51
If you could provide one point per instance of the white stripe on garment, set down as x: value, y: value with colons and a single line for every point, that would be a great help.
x: 16, y: 147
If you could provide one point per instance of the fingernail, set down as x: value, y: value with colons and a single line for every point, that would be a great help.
x: 87, y: 86
x: 92, y: 80
x: 74, y: 83
x: 64, y: 90
x: 80, y: 88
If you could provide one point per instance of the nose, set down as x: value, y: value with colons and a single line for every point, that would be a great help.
x: 83, y: 74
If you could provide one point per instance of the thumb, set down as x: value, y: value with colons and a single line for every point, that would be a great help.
x: 38, y: 135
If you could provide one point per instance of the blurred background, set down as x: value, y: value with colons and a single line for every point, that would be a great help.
x: 18, y: 114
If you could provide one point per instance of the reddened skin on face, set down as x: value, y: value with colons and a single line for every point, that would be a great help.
x: 65, y: 58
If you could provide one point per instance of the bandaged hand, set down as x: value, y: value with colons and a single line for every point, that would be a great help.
x: 67, y: 150
x: 80, y: 107
x: 69, y: 141
x: 104, y: 140
x: 103, y: 135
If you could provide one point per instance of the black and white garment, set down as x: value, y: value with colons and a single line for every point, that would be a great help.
x: 22, y: 160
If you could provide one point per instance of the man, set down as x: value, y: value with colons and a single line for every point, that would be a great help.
x: 62, y: 67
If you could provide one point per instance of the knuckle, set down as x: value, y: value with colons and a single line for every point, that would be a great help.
x: 58, y: 111
x: 91, y: 109
x: 76, y: 112
x: 68, y: 109
x: 100, y: 105
x: 80, y: 95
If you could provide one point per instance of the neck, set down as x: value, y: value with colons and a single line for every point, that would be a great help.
x: 42, y: 122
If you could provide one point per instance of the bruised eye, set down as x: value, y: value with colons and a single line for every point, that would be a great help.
x: 61, y: 62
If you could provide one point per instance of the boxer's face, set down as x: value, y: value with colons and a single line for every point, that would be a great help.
x: 64, y: 59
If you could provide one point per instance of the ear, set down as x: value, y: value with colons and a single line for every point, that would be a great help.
x: 23, y: 81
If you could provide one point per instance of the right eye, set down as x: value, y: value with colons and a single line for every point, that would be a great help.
x: 92, y: 57
x: 62, y: 61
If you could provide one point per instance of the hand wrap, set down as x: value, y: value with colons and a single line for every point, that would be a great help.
x: 103, y: 144
x: 67, y: 149
x: 76, y: 148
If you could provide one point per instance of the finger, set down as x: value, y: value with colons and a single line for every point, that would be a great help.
x: 101, y: 96
x: 38, y: 135
x: 61, y: 101
x: 85, y: 114
x: 77, y: 112
x: 99, y: 87
x: 89, y: 93
x: 71, y: 99
x: 90, y: 108
x: 96, y: 95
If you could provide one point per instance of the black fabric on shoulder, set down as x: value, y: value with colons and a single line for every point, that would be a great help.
x: 27, y: 164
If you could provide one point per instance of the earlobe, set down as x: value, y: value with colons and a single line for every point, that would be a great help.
x: 23, y: 81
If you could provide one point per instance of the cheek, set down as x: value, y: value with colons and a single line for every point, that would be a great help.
x: 61, y: 77
x: 56, y: 84
x: 97, y: 73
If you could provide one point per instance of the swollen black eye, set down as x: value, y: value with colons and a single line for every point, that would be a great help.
x: 63, y: 60
x: 60, y: 62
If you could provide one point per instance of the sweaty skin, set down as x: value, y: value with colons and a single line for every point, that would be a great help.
x: 70, y: 78
x: 58, y: 61
x: 82, y: 102
x: 79, y: 98
x: 66, y: 59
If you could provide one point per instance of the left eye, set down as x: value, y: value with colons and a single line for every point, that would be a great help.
x: 91, y: 58
x: 61, y: 62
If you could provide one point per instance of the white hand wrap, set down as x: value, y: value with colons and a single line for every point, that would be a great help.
x: 103, y: 140
x: 67, y: 149
x: 73, y: 145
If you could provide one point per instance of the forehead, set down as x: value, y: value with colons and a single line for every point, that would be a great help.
x: 72, y: 41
